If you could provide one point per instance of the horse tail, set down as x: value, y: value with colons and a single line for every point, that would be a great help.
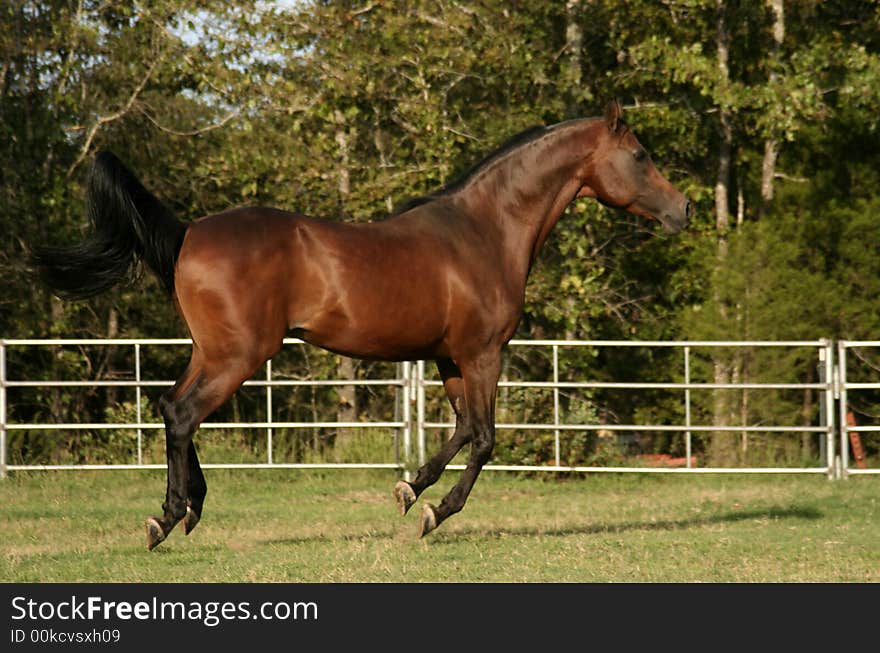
x: 128, y: 224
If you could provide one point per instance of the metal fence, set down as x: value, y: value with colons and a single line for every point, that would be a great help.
x: 412, y: 423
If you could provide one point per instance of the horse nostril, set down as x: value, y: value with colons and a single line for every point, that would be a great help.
x: 688, y: 210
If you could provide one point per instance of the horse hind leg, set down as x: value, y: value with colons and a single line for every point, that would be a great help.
x: 180, y: 424
x: 158, y: 528
x: 186, y: 488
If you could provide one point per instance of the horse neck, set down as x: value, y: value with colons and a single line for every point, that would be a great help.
x: 524, y: 194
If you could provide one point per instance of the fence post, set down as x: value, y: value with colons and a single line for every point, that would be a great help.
x: 420, y: 410
x: 137, y: 398
x: 830, y: 365
x: 269, y: 411
x: 843, y: 467
x: 826, y: 406
x: 398, y: 398
x: 407, y: 418
x: 556, y: 402
x: 2, y: 409
x: 687, y: 406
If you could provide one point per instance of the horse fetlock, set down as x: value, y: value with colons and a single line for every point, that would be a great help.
x: 155, y: 533
x: 190, y: 520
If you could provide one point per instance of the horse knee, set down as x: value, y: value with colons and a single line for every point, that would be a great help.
x: 179, y: 436
x: 178, y: 424
x: 482, y: 446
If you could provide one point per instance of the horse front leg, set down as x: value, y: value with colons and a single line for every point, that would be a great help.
x: 406, y: 493
x: 480, y: 384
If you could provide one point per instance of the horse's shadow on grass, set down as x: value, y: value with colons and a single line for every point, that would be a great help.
x: 610, y: 528
x: 808, y: 513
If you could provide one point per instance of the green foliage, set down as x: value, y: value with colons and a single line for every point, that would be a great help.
x: 345, y: 109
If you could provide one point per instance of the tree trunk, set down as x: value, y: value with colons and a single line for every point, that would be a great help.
x: 771, y: 146
x: 768, y: 170
x: 574, y: 39
x: 722, y: 182
x: 56, y: 402
x: 721, y: 449
x: 347, y: 409
x: 110, y: 352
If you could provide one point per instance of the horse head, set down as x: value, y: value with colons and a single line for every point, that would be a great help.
x: 620, y: 174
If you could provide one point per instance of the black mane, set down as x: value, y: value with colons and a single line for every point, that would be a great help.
x: 526, y: 136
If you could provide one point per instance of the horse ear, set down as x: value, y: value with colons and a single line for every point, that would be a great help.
x: 613, y: 112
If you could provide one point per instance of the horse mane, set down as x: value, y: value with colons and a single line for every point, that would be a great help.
x: 526, y: 136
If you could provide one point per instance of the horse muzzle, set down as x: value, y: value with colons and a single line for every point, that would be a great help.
x: 677, y: 218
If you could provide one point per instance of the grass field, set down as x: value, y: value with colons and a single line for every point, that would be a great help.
x: 342, y: 526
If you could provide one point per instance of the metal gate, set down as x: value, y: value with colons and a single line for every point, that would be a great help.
x: 850, y: 387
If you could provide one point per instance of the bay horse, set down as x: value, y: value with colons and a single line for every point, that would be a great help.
x: 443, y: 278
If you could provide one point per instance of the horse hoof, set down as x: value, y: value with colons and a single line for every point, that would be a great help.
x: 155, y: 534
x: 404, y: 495
x: 429, y: 520
x: 190, y: 520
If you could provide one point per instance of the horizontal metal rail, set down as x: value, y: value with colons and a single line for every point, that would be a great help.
x: 167, y: 384
x: 206, y: 425
x: 670, y: 343
x: 46, y: 468
x: 650, y: 470
x: 643, y: 427
x: 515, y: 342
x: 650, y: 386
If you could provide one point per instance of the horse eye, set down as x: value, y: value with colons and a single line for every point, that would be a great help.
x: 640, y: 155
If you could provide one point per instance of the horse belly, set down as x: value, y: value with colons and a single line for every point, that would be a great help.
x: 380, y: 305
x: 366, y: 323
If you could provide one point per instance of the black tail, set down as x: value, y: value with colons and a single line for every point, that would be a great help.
x: 128, y: 224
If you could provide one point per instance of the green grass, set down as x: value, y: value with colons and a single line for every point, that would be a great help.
x: 342, y: 526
